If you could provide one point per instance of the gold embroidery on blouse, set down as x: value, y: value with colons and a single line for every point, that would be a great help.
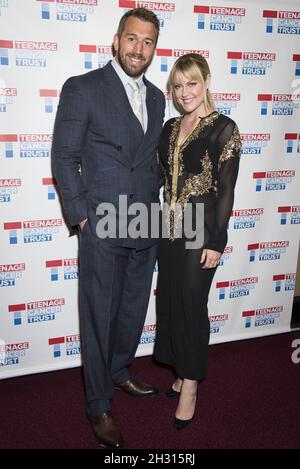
x: 206, y: 121
x: 231, y: 148
x: 197, y: 186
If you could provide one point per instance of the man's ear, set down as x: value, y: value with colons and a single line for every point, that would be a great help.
x: 116, y: 42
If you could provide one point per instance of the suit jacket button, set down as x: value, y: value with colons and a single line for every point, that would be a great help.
x: 131, y: 196
x: 131, y: 170
x: 119, y: 147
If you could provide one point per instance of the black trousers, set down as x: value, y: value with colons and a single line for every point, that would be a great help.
x: 115, y: 284
x: 183, y: 328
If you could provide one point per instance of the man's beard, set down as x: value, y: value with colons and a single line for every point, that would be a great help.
x: 131, y: 71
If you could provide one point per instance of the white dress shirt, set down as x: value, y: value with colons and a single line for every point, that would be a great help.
x: 126, y: 79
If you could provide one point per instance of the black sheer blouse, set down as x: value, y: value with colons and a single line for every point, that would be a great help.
x: 209, y: 153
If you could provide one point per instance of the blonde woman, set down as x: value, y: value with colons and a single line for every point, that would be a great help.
x: 196, y: 149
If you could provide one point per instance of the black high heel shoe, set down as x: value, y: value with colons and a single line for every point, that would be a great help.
x: 172, y: 393
x: 180, y: 424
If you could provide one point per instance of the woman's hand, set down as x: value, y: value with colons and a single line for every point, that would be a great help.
x: 210, y: 259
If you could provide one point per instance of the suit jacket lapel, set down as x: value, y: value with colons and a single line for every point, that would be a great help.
x: 117, y: 94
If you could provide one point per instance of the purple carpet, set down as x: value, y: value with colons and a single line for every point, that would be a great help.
x: 249, y: 400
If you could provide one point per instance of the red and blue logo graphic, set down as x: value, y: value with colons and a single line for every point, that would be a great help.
x: 36, y: 311
x: 293, y: 142
x: 262, y: 317
x: 100, y: 54
x: 148, y: 334
x: 296, y: 58
x: 163, y: 10
x: 281, y: 104
x: 7, y: 96
x: 217, y: 322
x: 253, y: 144
x: 9, y: 188
x: 10, y: 273
x: 30, y: 145
x: 289, y: 214
x: 10, y: 354
x: 226, y: 255
x: 70, y: 343
x: 282, y: 22
x: 219, y: 18
x: 34, y: 231
x: 50, y: 183
x: 50, y: 99
x: 27, y: 53
x: 246, y: 218
x: 68, y: 10
x: 168, y: 56
x: 226, y: 102
x: 267, y: 251
x: 18, y: 311
x: 273, y: 180
x: 284, y: 282
x: 70, y: 269
x: 250, y: 63
x: 236, y: 288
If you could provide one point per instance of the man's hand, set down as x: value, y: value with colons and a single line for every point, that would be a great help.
x: 210, y: 259
x: 82, y: 223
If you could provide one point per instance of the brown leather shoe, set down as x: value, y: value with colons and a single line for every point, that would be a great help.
x: 136, y: 388
x: 106, y: 430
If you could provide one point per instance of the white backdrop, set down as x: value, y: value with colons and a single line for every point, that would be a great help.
x: 254, y: 52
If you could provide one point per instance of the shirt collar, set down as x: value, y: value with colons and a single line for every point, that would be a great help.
x: 125, y: 79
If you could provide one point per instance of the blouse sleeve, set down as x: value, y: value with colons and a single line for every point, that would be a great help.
x: 227, y: 148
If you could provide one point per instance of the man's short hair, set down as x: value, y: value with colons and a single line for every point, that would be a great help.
x: 142, y: 14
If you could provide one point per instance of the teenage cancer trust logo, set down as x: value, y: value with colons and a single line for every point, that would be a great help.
x: 169, y: 56
x: 67, y: 10
x: 284, y: 282
x: 25, y: 145
x: 282, y: 22
x: 243, y: 219
x: 95, y: 56
x: 254, y: 144
x: 27, y: 53
x: 9, y: 188
x: 11, y: 354
x: 226, y: 102
x: 163, y: 10
x: 217, y: 322
x: 148, y: 334
x: 262, y: 316
x: 250, y: 63
x: 68, y: 266
x: 219, y: 18
x: 11, y: 273
x: 65, y: 346
x: 280, y: 104
x: 273, y: 180
x: 33, y: 231
x: 292, y: 143
x: 236, y: 288
x: 289, y: 214
x: 267, y: 251
x: 36, y: 311
x: 7, y: 95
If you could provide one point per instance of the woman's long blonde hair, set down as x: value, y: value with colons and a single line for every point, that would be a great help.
x: 193, y: 67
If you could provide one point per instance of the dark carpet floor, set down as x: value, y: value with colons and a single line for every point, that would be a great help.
x: 250, y: 399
